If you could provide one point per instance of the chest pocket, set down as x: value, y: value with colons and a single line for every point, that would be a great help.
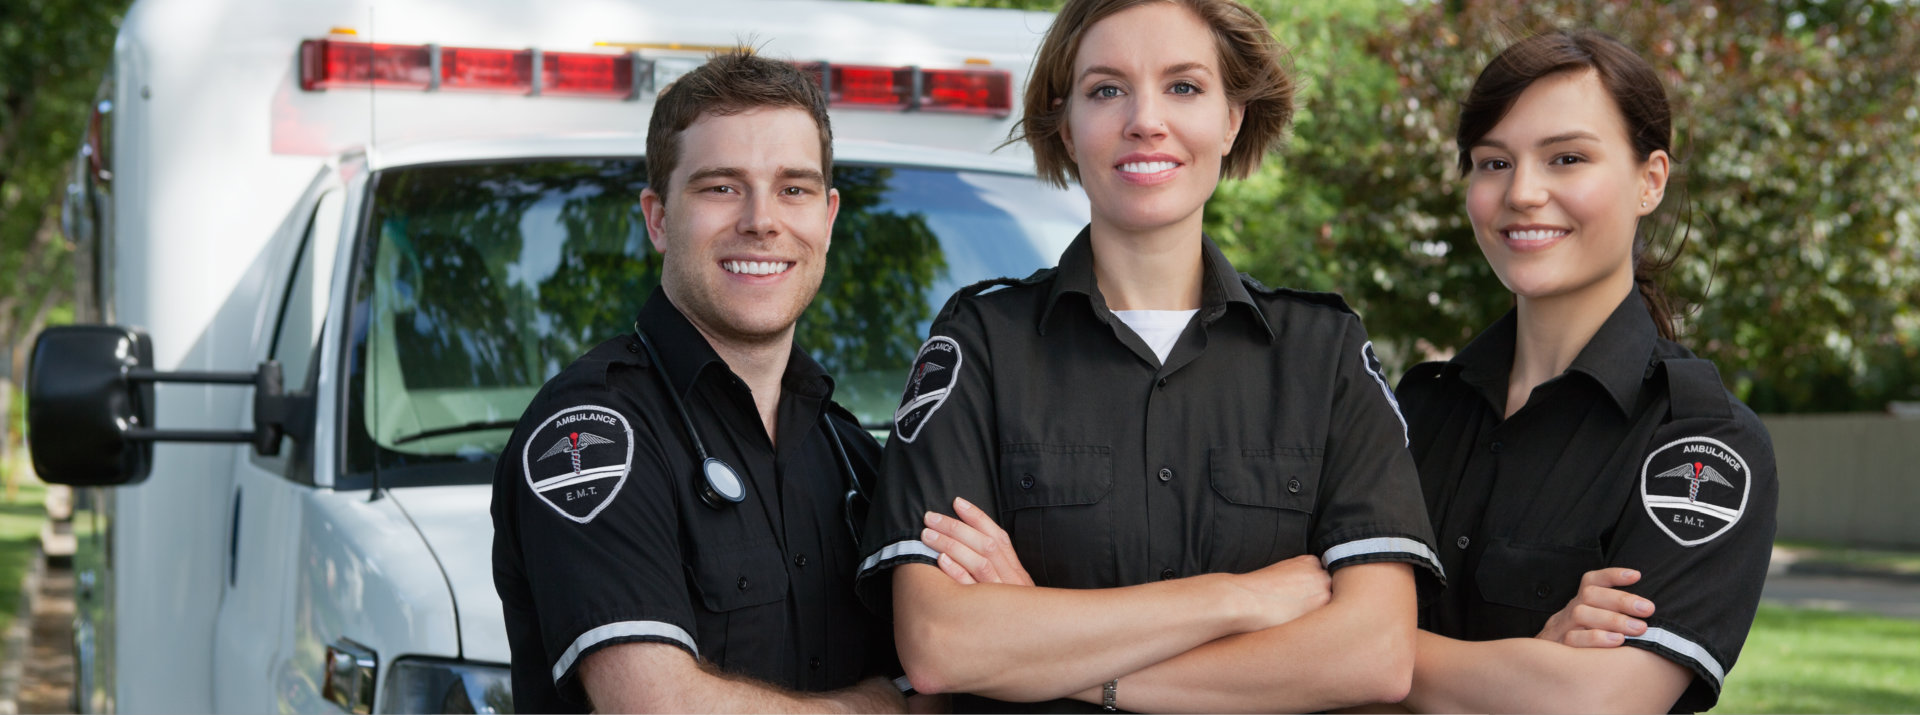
x: 1536, y: 579
x: 743, y: 591
x: 1263, y: 506
x: 1053, y: 502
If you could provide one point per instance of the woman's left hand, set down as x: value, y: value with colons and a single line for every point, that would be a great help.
x: 973, y: 549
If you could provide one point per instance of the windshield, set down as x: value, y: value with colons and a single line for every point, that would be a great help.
x: 481, y: 281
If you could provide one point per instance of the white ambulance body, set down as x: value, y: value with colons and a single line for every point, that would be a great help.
x: 418, y: 256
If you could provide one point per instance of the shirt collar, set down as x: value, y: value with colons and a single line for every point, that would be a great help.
x: 1617, y: 357
x: 686, y: 355
x: 1220, y: 285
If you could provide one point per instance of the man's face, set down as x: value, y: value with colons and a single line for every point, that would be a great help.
x: 744, y: 226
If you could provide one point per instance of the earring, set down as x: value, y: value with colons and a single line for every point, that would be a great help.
x: 1643, y: 204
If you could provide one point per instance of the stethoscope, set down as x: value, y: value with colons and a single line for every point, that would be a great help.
x: 716, y: 481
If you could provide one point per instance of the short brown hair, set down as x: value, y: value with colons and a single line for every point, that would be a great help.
x: 1251, y: 66
x: 1636, y: 91
x: 732, y: 81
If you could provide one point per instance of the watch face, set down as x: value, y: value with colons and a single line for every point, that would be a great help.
x: 724, y: 480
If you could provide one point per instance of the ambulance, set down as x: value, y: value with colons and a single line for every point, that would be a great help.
x: 331, y: 248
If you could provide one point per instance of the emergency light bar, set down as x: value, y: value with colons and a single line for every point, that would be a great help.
x: 336, y: 64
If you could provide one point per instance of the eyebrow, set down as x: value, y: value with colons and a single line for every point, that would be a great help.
x: 1175, y: 68
x: 731, y: 172
x: 1555, y: 139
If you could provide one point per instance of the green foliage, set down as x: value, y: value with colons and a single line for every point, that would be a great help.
x: 52, y: 56
x: 1803, y: 661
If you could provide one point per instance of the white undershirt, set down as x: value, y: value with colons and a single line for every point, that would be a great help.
x: 1159, y: 329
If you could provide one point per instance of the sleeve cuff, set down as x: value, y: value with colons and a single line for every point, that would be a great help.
x: 1383, y: 548
x: 622, y: 632
x: 1683, y: 650
x: 896, y: 553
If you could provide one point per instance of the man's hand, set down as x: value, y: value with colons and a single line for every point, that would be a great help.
x: 1600, y: 615
x: 973, y: 549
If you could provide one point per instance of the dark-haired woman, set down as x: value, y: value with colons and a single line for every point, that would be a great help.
x: 1174, y: 450
x: 1574, y: 450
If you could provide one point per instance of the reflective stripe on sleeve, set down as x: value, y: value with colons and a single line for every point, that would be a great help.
x: 896, y: 550
x: 623, y: 629
x: 1679, y: 644
x: 1384, y: 545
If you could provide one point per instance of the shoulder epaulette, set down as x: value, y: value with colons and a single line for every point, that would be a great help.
x: 987, y: 285
x: 1331, y: 300
x: 1694, y: 389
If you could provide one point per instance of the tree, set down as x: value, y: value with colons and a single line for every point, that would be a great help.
x: 52, y: 55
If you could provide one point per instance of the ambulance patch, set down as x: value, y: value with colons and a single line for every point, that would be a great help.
x: 578, y: 459
x: 1695, y: 488
x: 935, y: 370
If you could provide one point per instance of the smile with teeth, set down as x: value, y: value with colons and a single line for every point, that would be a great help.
x: 1147, y: 167
x: 1535, y: 235
x: 756, y: 268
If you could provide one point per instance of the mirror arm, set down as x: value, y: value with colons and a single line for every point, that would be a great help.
x: 275, y: 412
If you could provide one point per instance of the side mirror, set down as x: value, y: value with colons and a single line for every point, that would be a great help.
x: 82, y: 408
x: 90, y: 406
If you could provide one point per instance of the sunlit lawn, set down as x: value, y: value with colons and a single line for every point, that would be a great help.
x: 20, y: 520
x: 1809, y: 661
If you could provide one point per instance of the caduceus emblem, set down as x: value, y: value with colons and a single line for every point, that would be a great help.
x: 1695, y: 473
x: 572, y: 444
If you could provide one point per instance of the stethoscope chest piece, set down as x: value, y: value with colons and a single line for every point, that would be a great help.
x: 722, y: 485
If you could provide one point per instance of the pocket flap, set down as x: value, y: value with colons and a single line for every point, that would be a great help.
x: 737, y: 576
x: 1043, y: 475
x: 1539, y: 577
x: 1276, y: 478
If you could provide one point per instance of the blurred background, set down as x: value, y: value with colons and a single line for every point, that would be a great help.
x: 1794, y: 233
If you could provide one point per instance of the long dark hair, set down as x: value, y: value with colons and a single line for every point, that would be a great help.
x: 1636, y: 89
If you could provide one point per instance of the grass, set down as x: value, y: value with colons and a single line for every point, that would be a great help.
x: 20, y: 519
x: 1808, y: 661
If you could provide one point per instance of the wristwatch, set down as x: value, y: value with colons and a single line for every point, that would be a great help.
x: 1107, y: 695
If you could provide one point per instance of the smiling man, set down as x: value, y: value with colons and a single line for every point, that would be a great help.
x: 672, y: 517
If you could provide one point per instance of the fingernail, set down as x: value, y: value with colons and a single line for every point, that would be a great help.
x: 1632, y: 573
x: 929, y: 535
x: 962, y: 503
x: 1615, y: 638
x: 1643, y: 607
x: 1637, y: 626
x: 932, y: 518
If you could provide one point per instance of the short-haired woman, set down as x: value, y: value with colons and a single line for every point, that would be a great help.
x: 1173, y: 449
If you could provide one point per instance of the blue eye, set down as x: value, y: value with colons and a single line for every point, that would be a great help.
x: 1105, y: 91
x: 1185, y: 88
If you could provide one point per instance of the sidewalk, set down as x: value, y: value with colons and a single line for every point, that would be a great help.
x: 1834, y: 580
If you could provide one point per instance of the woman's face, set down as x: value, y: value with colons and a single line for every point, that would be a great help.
x: 1148, y: 118
x: 1555, y: 191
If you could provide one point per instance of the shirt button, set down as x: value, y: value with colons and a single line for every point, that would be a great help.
x: 1163, y: 382
x: 800, y: 560
x: 743, y: 583
x: 1166, y: 475
x: 1026, y: 481
x: 1542, y: 590
x: 1293, y: 486
x: 633, y: 348
x: 1166, y: 574
x: 1494, y: 448
x: 1462, y: 542
x: 813, y: 663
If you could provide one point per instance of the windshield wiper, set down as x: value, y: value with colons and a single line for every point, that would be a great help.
x: 457, y: 429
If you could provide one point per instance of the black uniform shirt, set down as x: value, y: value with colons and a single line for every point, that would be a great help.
x: 600, y: 537
x: 1267, y: 434
x: 1635, y: 457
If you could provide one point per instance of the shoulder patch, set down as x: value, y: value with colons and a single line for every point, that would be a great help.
x: 936, y: 369
x: 577, y: 460
x: 1695, y: 488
